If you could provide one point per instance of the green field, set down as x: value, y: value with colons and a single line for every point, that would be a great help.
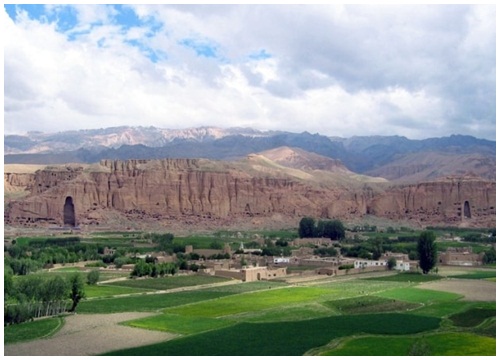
x: 284, y: 338
x: 169, y: 282
x: 330, y: 315
x: 448, y: 344
x: 331, y: 318
x: 476, y: 275
x: 422, y: 296
x: 146, y: 303
x: 96, y: 291
x: 369, y: 304
x: 180, y: 324
x: 31, y: 330
x: 250, y: 302
x: 407, y: 277
x: 472, y: 317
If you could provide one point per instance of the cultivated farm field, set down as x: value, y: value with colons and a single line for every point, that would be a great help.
x: 385, y: 315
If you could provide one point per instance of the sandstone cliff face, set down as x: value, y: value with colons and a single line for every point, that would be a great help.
x: 18, y: 180
x: 172, y: 189
x: 449, y: 200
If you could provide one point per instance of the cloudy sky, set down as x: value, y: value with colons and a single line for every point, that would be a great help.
x: 415, y: 71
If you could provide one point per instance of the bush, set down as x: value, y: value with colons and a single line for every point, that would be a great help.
x: 96, y: 264
x: 93, y: 277
x: 346, y: 267
x: 16, y: 314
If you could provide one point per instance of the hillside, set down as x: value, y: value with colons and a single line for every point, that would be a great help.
x: 393, y: 157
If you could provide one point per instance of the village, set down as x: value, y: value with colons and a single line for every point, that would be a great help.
x: 248, y: 264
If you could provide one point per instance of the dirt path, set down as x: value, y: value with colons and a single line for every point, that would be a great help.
x: 90, y: 335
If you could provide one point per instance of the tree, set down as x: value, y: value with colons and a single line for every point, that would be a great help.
x: 376, y: 249
x: 391, y: 263
x: 141, y: 268
x: 77, y: 292
x: 93, y: 277
x: 8, y: 284
x: 306, y: 227
x: 427, y: 251
x: 490, y: 257
x: 334, y: 230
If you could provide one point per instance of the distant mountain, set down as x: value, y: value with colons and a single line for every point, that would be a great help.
x: 115, y: 137
x: 300, y: 159
x: 393, y: 157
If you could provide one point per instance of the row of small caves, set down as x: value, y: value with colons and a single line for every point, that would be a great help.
x: 69, y: 216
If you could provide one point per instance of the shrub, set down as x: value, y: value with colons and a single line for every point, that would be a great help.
x: 93, y: 277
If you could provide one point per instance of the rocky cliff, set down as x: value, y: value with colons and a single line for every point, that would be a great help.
x: 177, y: 188
x: 450, y: 200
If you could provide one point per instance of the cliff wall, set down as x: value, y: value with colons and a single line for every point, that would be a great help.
x: 175, y: 188
x: 450, y: 200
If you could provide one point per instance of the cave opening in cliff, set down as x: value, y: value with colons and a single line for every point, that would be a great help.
x: 467, y: 210
x: 69, y: 212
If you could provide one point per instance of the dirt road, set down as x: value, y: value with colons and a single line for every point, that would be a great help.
x: 90, y: 335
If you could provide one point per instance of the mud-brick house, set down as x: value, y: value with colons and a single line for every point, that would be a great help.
x: 257, y: 273
x: 460, y: 256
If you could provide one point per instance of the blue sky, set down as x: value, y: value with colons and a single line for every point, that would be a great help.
x: 416, y: 71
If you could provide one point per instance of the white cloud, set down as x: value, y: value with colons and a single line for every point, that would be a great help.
x: 337, y: 70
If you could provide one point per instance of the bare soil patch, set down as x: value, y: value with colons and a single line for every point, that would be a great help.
x: 90, y: 335
x: 472, y: 290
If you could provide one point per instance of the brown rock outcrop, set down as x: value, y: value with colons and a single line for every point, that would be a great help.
x: 450, y: 200
x: 176, y: 188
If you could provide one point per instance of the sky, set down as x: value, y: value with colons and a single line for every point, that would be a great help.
x: 417, y: 71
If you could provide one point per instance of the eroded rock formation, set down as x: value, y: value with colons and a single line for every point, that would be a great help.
x: 449, y: 200
x: 175, y: 188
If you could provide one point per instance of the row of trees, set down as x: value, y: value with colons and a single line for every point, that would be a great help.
x: 333, y: 229
x: 144, y: 268
x: 30, y: 297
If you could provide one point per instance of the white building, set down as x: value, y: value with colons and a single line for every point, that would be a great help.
x: 360, y: 264
x: 281, y: 260
x: 400, y: 264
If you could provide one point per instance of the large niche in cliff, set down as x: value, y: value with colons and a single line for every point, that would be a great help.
x: 69, y: 212
x: 467, y: 213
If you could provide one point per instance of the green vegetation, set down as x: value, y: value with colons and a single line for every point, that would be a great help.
x: 170, y: 282
x: 94, y: 291
x: 476, y: 275
x: 415, y: 295
x: 31, y: 330
x: 93, y: 277
x: 77, y: 291
x: 407, y: 277
x: 369, y: 304
x: 250, y: 302
x: 31, y: 297
x: 333, y: 229
x: 285, y: 313
x: 382, y: 315
x: 274, y: 339
x: 179, y: 324
x: 442, y: 309
x: 472, y: 317
x: 146, y: 303
x: 448, y: 344
x: 427, y: 251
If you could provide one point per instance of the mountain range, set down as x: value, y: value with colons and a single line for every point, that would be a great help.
x: 394, y: 158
